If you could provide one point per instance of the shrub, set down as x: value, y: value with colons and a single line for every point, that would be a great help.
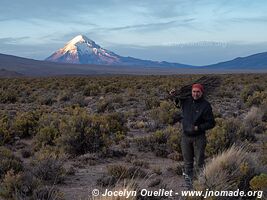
x: 48, y: 193
x: 65, y: 96
x: 82, y: 133
x: 49, y: 170
x: 9, y: 162
x: 79, y: 100
x: 121, y: 172
x: 46, y: 136
x: 91, y: 90
x: 249, y: 91
x: 174, y: 138
x: 259, y: 182
x: 26, y: 124
x: 18, y: 186
x: 113, y: 88
x: 104, y: 105
x: 226, y: 133
x: 10, y: 184
x: 162, y: 143
x: 8, y: 96
x: 6, y: 135
x: 117, y: 171
x: 151, y: 102
x: 256, y: 99
x: 164, y: 114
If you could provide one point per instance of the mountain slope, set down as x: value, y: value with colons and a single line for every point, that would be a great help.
x: 7, y: 73
x: 81, y: 50
x: 255, y: 61
x: 30, y: 67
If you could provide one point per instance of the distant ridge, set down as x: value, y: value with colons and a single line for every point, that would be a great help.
x: 253, y: 62
x: 7, y: 73
x: 30, y: 67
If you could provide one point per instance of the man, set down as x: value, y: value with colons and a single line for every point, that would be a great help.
x: 197, y: 117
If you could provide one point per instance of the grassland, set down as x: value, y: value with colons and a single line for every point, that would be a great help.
x: 61, y: 137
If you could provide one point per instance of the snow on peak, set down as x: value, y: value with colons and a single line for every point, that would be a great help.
x: 80, y: 39
x: 80, y: 43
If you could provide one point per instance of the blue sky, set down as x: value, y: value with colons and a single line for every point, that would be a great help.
x: 195, y: 32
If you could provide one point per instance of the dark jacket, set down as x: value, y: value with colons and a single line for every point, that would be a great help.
x: 196, y: 113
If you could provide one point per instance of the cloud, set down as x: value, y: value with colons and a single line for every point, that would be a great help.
x: 194, y: 54
x: 260, y: 19
x: 153, y: 26
x: 12, y: 40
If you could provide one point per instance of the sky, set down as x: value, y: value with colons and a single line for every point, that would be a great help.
x: 197, y: 32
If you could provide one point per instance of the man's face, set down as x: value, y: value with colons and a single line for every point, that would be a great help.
x: 196, y: 93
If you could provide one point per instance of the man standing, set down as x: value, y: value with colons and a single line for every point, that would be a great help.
x: 197, y: 117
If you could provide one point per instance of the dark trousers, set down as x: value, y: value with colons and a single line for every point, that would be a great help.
x: 193, y: 149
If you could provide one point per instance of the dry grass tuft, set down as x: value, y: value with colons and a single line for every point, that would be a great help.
x: 230, y: 170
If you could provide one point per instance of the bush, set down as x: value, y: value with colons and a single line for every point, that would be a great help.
x: 162, y: 143
x: 249, y: 91
x: 104, y: 105
x: 91, y: 90
x: 225, y: 134
x: 6, y: 135
x: 10, y: 184
x: 229, y: 170
x: 9, y: 162
x: 259, y: 182
x: 26, y: 124
x: 151, y: 102
x: 48, y: 193
x: 82, y: 133
x: 18, y: 186
x: 164, y: 114
x: 122, y: 172
x: 256, y: 99
x: 46, y: 136
x: 8, y: 96
x: 49, y: 170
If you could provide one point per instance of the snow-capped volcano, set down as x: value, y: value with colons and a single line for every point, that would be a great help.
x: 81, y: 50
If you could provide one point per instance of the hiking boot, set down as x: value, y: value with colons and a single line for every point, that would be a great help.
x: 188, y: 181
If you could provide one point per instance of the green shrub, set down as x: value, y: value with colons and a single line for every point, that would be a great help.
x: 164, y: 114
x: 256, y: 99
x: 225, y: 134
x: 259, y: 182
x: 10, y: 184
x: 9, y: 162
x: 26, y: 124
x: 65, y: 96
x: 91, y: 90
x: 104, y: 105
x: 6, y: 135
x: 162, y: 143
x: 8, y: 96
x: 18, y: 186
x: 249, y: 91
x: 46, y: 136
x: 81, y: 133
x: 151, y: 102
